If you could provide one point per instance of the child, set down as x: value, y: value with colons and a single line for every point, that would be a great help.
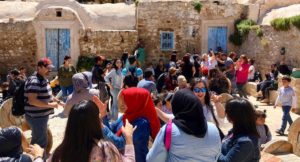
x: 262, y: 128
x: 287, y: 99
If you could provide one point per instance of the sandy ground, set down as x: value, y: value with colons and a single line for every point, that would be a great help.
x: 57, y: 123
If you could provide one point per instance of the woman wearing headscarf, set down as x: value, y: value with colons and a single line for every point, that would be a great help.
x: 139, y: 110
x: 193, y: 139
x: 82, y: 83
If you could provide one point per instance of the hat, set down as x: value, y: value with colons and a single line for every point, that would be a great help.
x: 46, y: 62
x: 172, y: 70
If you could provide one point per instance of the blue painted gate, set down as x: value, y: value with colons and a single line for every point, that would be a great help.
x: 57, y: 45
x: 217, y: 37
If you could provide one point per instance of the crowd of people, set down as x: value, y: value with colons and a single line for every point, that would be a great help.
x: 126, y: 110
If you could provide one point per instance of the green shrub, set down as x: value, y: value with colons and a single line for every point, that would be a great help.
x: 197, y: 5
x: 85, y: 63
x: 236, y: 38
x: 259, y: 32
x: 244, y: 26
x: 295, y: 20
x: 242, y: 29
x: 281, y: 24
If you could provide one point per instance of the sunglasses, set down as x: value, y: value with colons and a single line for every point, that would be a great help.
x: 198, y: 90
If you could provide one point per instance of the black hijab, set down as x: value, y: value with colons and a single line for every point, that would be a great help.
x: 188, y: 113
x: 10, y: 142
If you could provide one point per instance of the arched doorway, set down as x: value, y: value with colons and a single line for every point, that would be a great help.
x: 57, y: 34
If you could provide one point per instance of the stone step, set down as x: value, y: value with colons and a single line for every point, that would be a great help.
x: 288, y: 157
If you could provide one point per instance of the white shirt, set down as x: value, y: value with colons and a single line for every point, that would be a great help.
x: 209, y: 64
x: 251, y: 72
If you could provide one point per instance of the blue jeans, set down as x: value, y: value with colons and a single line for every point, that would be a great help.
x: 114, y: 108
x: 38, y: 130
x: 286, y: 117
x: 66, y: 91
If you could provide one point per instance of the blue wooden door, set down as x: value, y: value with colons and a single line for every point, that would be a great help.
x: 57, y: 45
x: 217, y: 38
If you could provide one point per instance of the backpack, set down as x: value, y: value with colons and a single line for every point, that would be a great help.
x: 18, y: 106
x: 168, y: 135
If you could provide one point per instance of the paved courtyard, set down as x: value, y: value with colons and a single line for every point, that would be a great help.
x: 57, y: 123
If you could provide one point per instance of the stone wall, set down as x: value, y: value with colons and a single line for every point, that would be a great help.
x: 108, y: 1
x: 180, y: 17
x: 109, y: 43
x: 17, y: 46
x: 266, y: 50
x: 268, y: 5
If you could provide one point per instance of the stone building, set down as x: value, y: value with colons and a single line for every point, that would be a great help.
x: 54, y: 28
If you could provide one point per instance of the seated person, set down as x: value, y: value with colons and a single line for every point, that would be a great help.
x: 11, y: 141
x: 263, y: 130
x: 264, y: 87
x: 167, y: 81
x: 284, y: 69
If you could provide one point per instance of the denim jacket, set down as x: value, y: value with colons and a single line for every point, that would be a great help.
x: 140, y: 136
x: 240, y: 148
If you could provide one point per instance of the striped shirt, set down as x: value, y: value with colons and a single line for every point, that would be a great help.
x: 39, y: 85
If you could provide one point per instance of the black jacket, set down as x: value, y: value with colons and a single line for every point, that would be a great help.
x: 11, y: 146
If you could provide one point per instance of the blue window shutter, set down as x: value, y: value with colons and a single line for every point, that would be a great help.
x: 161, y: 40
x: 166, y: 41
x: 171, y: 40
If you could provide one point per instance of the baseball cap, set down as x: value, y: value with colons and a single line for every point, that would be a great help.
x: 46, y: 62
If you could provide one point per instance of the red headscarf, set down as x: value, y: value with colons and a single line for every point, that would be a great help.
x: 139, y: 104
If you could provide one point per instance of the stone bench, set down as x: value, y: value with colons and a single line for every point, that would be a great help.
x: 285, y: 150
x: 250, y: 89
x: 7, y: 120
